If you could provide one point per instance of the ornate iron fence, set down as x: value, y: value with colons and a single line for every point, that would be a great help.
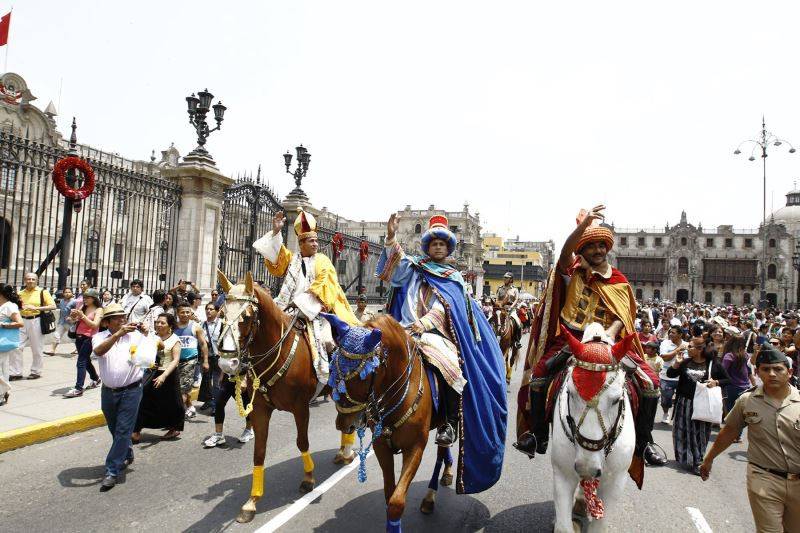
x: 355, y: 276
x: 125, y: 230
x: 247, y: 214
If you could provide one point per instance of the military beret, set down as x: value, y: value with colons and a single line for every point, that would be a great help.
x: 770, y: 355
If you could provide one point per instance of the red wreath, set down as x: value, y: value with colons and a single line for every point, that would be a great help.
x: 363, y: 251
x: 60, y: 177
x: 338, y: 244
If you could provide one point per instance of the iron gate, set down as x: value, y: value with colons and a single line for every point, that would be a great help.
x: 125, y: 230
x: 353, y: 273
x: 247, y: 214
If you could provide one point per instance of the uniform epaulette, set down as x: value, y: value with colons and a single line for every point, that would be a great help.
x: 751, y: 389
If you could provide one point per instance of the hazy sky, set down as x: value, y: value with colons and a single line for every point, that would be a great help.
x: 527, y: 110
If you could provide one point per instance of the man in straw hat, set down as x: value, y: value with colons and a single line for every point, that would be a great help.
x: 122, y: 387
x: 581, y: 290
x: 310, y: 283
x: 508, y: 298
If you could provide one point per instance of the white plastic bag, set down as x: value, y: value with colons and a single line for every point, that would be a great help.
x: 143, y: 354
x: 707, y: 405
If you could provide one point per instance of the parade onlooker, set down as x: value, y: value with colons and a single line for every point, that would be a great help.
x: 651, y: 357
x: 717, y: 336
x: 198, y: 313
x: 193, y: 345
x: 670, y: 347
x: 35, y: 300
x: 771, y: 413
x: 169, y: 304
x: 208, y: 387
x: 361, y: 309
x: 162, y: 404
x: 82, y: 286
x: 646, y: 334
x: 183, y: 288
x: 136, y: 303
x: 225, y: 392
x: 107, y: 298
x: 690, y: 437
x: 735, y: 363
x: 10, y: 325
x: 65, y: 323
x: 122, y: 388
x: 156, y: 308
x: 88, y: 319
x: 661, y: 332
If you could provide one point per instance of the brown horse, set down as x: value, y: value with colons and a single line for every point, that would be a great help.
x: 506, y: 327
x: 272, y: 349
x: 398, y: 395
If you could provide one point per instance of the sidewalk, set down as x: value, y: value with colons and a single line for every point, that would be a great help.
x: 37, y: 411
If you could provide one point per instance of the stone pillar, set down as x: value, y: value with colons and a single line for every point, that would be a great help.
x: 199, y: 221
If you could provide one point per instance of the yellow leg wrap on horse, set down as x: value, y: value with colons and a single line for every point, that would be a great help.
x: 348, y: 439
x: 308, y: 462
x: 257, y: 490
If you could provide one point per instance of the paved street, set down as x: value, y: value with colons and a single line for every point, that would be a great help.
x: 179, y: 486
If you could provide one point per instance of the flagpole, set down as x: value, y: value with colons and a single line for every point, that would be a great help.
x: 5, y: 69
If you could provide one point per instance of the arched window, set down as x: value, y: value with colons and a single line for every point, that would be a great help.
x: 639, y: 294
x: 683, y: 266
x: 163, y: 250
x: 772, y: 271
x: 656, y: 294
x: 772, y: 243
x: 746, y: 298
x: 92, y: 248
x: 708, y: 297
x: 726, y: 298
x: 418, y: 229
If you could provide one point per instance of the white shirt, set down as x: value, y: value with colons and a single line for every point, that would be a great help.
x: 666, y: 347
x: 672, y: 322
x: 136, y: 306
x: 115, y: 366
x: 7, y: 310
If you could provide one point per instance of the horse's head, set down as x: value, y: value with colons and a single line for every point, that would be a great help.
x: 239, y: 322
x: 593, y: 413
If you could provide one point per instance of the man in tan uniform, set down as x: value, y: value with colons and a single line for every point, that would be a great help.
x: 772, y: 414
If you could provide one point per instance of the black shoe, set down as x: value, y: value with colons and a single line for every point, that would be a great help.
x: 652, y: 457
x: 108, y: 483
x: 445, y: 435
x: 526, y: 444
x: 696, y: 470
x: 14, y: 378
x: 34, y: 376
x: 128, y: 462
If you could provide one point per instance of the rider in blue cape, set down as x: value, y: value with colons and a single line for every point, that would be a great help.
x: 429, y: 297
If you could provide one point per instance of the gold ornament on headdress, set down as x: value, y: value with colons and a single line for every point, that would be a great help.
x: 305, y: 225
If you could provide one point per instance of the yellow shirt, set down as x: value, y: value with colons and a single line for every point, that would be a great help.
x: 34, y: 297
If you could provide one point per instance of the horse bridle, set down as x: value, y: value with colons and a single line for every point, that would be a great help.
x: 573, y: 432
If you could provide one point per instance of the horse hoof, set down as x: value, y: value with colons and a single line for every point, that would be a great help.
x: 342, y: 460
x: 245, y: 516
x: 426, y: 507
x: 447, y: 480
x: 306, y: 486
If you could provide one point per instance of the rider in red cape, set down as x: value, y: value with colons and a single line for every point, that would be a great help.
x: 584, y: 288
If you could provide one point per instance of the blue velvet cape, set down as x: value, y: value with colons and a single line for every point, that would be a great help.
x: 484, y: 404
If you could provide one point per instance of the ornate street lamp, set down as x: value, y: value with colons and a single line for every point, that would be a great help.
x: 303, y: 160
x: 764, y: 141
x: 785, y: 285
x: 198, y: 108
x: 796, y: 265
x: 693, y: 277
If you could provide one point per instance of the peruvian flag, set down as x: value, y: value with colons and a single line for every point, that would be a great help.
x: 5, y: 24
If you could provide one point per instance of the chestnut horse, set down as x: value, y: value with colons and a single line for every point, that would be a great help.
x: 505, y: 333
x: 394, y: 400
x: 259, y: 340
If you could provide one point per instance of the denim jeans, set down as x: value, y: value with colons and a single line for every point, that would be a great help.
x: 120, y: 409
x: 667, y: 392
x: 84, y: 363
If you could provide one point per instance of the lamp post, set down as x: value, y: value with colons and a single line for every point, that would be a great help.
x: 199, y: 106
x: 796, y: 265
x: 785, y: 285
x: 764, y: 141
x: 303, y: 159
x: 693, y: 277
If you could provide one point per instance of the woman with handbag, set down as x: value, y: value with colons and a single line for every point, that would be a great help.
x: 88, y: 318
x: 10, y: 324
x: 689, y: 436
x: 39, y: 320
x: 162, y: 404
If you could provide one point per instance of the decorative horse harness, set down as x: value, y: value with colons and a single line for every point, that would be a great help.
x: 573, y: 430
x: 249, y: 361
x: 375, y: 410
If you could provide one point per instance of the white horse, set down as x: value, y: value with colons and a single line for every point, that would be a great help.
x: 593, y: 431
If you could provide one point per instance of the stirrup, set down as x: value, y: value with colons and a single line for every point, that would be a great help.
x: 445, y: 435
x: 526, y: 444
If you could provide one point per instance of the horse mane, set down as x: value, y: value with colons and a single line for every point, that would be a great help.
x: 268, y: 305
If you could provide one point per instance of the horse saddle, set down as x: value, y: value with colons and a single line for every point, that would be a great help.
x: 353, y: 339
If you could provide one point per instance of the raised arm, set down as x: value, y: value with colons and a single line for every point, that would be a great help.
x: 568, y: 250
x: 276, y: 256
x: 391, y: 265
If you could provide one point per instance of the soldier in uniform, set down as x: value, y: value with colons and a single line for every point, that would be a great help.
x: 508, y: 298
x: 772, y: 414
x: 361, y: 309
